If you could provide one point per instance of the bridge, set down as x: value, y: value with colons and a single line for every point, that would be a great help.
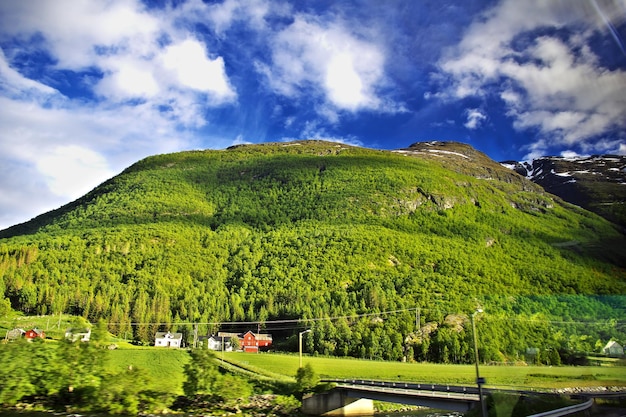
x: 354, y: 397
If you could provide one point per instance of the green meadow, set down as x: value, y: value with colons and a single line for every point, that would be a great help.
x: 527, y: 377
x: 164, y: 367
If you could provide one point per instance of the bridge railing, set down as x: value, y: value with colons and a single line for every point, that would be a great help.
x: 566, y: 411
x: 407, y: 385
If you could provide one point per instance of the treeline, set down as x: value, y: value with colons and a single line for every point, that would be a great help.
x: 502, y: 337
x: 257, y: 234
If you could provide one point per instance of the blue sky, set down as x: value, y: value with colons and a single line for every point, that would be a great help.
x: 88, y: 87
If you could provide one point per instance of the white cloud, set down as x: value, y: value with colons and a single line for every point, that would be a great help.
x: 224, y: 14
x: 193, y: 69
x: 343, y: 83
x: 72, y: 169
x: 128, y: 79
x: 475, y: 117
x: 311, y: 56
x: 570, y: 154
x: 124, y: 41
x: 549, y: 83
x: 314, y: 131
x: 22, y: 194
x: 78, y: 32
x: 12, y: 82
x: 54, y: 154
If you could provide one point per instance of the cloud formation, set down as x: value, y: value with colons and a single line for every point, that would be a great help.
x: 475, y: 118
x: 311, y: 56
x: 550, y: 80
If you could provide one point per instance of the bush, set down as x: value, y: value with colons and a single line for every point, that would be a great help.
x: 231, y: 388
x: 306, y: 379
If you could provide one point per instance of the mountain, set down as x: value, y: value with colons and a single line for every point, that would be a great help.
x: 596, y: 183
x: 382, y: 253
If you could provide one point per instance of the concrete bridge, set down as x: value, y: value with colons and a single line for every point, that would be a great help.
x: 355, y: 397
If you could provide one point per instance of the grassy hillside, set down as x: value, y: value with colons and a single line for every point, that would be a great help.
x: 309, y: 230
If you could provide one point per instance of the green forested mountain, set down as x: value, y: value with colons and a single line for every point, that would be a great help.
x: 357, y: 244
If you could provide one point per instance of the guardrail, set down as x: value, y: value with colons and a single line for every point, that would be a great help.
x: 566, y: 411
x: 407, y: 385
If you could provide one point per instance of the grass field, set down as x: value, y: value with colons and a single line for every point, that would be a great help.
x: 503, y: 376
x: 163, y: 366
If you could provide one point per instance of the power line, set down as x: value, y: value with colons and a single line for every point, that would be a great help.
x: 265, y: 322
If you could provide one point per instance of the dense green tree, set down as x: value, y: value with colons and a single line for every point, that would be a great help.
x: 306, y: 379
x: 80, y: 365
x: 15, y: 373
x: 234, y: 343
x: 71, y: 375
x: 120, y: 393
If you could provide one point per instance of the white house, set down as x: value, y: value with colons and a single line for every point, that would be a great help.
x: 78, y: 334
x: 15, y: 334
x: 613, y: 349
x: 167, y: 339
x: 218, y: 343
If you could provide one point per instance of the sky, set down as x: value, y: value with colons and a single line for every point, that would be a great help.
x: 88, y: 87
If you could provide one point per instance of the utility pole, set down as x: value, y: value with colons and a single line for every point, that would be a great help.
x: 300, y: 344
x: 418, y: 319
x: 479, y: 381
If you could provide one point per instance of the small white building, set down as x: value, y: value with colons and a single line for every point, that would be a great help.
x: 613, y: 349
x: 168, y: 339
x: 15, y: 334
x: 219, y: 343
x: 78, y: 334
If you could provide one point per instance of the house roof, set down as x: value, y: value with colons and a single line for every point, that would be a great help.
x: 259, y: 336
x: 37, y: 331
x: 213, y: 337
x: 611, y: 344
x: 168, y: 335
x: 228, y: 334
x: 15, y: 333
x: 78, y: 331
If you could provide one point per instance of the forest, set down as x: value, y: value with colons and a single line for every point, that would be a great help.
x: 383, y: 255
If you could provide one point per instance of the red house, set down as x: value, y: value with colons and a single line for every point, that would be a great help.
x: 251, y: 342
x: 34, y: 333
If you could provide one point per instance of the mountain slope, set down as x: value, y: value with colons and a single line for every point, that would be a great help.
x: 596, y: 183
x: 305, y: 230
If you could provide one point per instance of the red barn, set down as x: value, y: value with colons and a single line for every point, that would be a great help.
x: 251, y: 342
x: 34, y: 333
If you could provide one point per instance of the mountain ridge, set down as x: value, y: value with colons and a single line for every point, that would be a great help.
x: 596, y: 183
x: 600, y: 187
x: 482, y: 167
